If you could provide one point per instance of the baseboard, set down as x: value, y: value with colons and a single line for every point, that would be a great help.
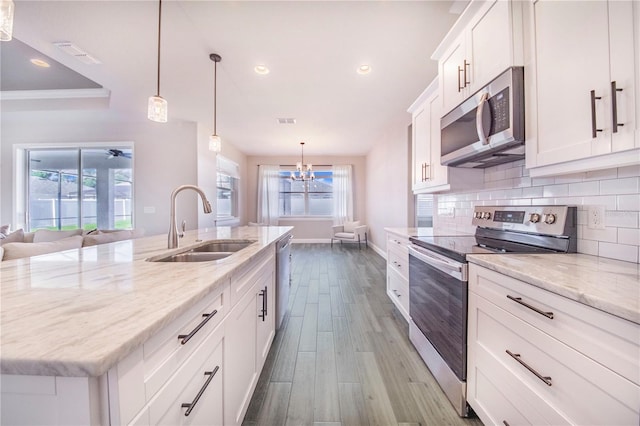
x: 378, y: 250
x: 311, y: 241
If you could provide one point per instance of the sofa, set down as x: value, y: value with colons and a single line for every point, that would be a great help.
x: 20, y: 244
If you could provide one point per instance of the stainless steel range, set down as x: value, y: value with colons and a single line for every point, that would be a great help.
x: 438, y: 281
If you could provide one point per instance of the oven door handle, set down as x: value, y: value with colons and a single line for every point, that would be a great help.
x: 453, y: 268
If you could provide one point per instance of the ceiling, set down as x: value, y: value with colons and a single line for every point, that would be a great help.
x: 312, y: 49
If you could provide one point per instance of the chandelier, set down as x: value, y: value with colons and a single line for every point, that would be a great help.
x: 300, y: 173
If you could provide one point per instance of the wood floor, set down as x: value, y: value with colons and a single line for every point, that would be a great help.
x: 343, y: 356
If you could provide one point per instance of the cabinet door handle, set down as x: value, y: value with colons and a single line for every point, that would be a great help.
x: 459, y: 86
x: 427, y: 171
x: 505, y: 423
x: 263, y: 311
x: 190, y: 406
x: 594, y: 129
x: 466, y: 64
x: 533, y: 308
x: 186, y: 337
x: 614, y: 106
x: 545, y: 379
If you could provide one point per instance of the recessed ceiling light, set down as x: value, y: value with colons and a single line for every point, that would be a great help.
x: 40, y: 63
x: 364, y: 69
x: 261, y: 69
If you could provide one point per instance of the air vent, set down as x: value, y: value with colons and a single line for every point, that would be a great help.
x: 286, y: 121
x: 73, y: 50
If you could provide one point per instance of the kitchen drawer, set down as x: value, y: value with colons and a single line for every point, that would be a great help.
x: 398, y: 291
x: 398, y: 262
x: 498, y: 397
x: 584, y: 391
x: 609, y: 340
x: 164, y: 352
x: 397, y: 241
x: 183, y: 387
x: 242, y: 280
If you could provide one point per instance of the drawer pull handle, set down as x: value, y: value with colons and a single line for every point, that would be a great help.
x: 505, y: 423
x: 396, y: 292
x: 190, y: 406
x: 263, y: 311
x: 533, y: 308
x: 186, y: 337
x: 545, y: 379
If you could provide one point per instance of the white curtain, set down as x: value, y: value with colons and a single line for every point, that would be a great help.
x: 342, y: 194
x: 268, y: 194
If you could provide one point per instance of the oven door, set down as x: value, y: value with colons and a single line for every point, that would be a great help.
x: 438, y: 304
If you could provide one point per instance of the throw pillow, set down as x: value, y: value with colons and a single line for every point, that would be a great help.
x: 351, y: 226
x: 5, y: 230
x: 20, y: 250
x: 14, y: 237
x: 46, y: 235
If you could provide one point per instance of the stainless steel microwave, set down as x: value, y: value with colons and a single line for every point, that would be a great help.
x: 488, y: 128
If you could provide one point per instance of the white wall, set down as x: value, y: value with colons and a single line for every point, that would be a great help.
x: 308, y: 228
x: 165, y: 156
x: 388, y: 183
x: 509, y: 184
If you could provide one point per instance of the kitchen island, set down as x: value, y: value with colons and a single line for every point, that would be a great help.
x: 85, y: 316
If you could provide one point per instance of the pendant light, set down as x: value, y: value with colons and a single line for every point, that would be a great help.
x: 215, y: 143
x: 157, y: 108
x: 6, y: 20
x: 301, y: 173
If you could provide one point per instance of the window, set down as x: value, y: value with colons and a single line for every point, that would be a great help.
x: 424, y: 210
x: 70, y: 188
x: 227, y: 198
x: 306, y: 198
x: 227, y: 179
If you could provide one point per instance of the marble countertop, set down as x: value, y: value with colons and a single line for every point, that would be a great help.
x: 610, y: 285
x: 79, y: 312
x: 411, y: 232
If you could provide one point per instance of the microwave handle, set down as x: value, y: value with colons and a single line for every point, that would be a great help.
x: 479, y: 113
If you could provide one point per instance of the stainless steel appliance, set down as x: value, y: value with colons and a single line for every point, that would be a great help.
x: 438, y: 281
x: 488, y: 128
x: 283, y: 277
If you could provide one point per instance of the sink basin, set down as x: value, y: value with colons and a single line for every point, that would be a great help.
x: 193, y: 257
x: 205, y: 252
x: 225, y: 246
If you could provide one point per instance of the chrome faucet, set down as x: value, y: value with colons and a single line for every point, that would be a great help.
x: 173, y: 226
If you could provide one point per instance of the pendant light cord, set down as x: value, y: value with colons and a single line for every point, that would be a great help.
x: 215, y: 95
x: 159, y: 32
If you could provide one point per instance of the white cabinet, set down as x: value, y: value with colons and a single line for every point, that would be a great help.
x: 583, y: 73
x: 484, y: 42
x: 535, y: 357
x: 250, y: 329
x: 398, y: 272
x: 429, y: 175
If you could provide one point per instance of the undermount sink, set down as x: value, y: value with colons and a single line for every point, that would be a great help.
x: 205, y: 252
x: 222, y: 246
x: 193, y: 257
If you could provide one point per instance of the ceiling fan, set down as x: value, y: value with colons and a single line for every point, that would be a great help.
x: 112, y: 153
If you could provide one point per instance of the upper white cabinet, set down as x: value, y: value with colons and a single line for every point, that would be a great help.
x: 485, y: 41
x: 429, y: 175
x: 583, y: 85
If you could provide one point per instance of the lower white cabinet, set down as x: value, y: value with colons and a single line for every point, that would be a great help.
x: 535, y: 357
x: 250, y: 329
x: 398, y: 272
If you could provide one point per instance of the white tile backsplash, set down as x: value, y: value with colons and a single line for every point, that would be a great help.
x: 618, y: 190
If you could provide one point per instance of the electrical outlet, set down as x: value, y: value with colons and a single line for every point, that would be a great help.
x: 595, y: 217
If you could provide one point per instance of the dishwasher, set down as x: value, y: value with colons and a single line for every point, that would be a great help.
x: 283, y: 277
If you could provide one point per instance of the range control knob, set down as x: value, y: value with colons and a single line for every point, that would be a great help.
x: 534, y: 218
x: 486, y: 215
x: 549, y: 218
x: 477, y: 215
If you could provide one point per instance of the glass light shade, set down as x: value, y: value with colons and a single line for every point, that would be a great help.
x: 309, y: 167
x: 157, y: 109
x: 299, y: 166
x: 6, y: 20
x: 215, y: 143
